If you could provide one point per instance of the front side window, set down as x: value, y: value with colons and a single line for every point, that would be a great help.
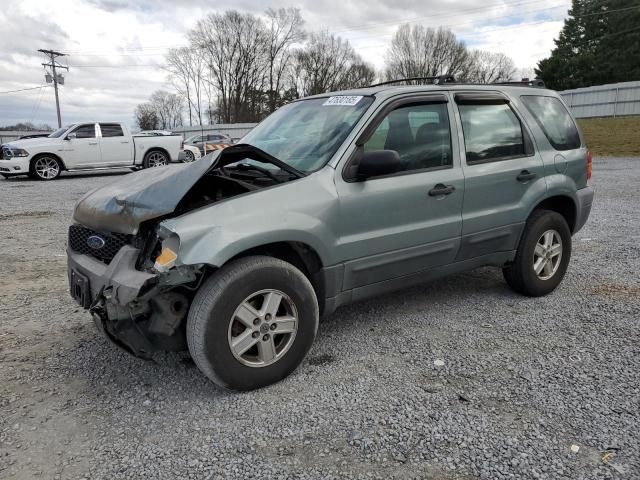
x: 86, y: 131
x: 306, y: 134
x: 420, y: 134
x: 491, y: 132
x: 554, y: 120
x: 111, y: 130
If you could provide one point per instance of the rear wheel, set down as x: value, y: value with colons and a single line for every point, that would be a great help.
x: 155, y: 158
x: 252, y: 323
x: 45, y: 167
x: 543, y: 255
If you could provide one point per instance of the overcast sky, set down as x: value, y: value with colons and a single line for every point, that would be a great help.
x: 116, y: 47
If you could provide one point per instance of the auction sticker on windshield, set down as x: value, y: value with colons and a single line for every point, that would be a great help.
x: 343, y: 100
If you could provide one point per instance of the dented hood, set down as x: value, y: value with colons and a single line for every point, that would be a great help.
x: 123, y: 205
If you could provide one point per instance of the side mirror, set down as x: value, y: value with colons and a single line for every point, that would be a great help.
x: 71, y: 136
x: 375, y: 163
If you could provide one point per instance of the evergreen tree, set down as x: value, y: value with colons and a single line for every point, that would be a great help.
x: 599, y: 43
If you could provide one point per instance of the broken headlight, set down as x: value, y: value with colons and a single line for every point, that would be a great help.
x: 168, y: 253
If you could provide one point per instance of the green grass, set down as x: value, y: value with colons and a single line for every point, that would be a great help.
x: 613, y: 137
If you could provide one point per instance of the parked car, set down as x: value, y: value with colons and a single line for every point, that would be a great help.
x: 152, y: 133
x: 85, y: 146
x: 210, y: 140
x: 34, y: 135
x: 189, y: 153
x: 332, y: 199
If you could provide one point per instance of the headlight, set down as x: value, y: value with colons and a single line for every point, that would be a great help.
x: 10, y: 152
x: 168, y: 254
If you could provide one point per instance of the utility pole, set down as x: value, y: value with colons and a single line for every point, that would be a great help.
x: 52, y: 58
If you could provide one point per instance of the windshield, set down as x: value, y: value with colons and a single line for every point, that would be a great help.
x: 59, y: 132
x: 306, y: 134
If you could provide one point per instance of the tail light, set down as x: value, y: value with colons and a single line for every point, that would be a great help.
x: 589, y: 164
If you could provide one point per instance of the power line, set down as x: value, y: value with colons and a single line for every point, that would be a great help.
x: 23, y: 89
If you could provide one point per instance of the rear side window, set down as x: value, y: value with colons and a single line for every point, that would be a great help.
x: 554, y: 120
x: 111, y: 130
x: 492, y: 132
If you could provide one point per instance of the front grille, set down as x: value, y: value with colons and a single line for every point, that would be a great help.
x: 79, y: 242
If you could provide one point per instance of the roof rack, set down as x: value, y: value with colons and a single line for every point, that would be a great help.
x: 440, y: 79
x: 525, y: 82
x: 437, y: 80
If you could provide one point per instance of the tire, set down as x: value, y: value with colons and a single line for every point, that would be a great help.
x: 538, y: 248
x: 214, y: 324
x: 45, y: 167
x: 155, y: 158
x: 188, y: 157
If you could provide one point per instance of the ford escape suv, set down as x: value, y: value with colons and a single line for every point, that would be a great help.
x: 332, y: 199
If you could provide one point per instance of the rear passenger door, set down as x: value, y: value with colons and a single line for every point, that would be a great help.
x: 504, y: 176
x: 397, y: 225
x: 115, y: 147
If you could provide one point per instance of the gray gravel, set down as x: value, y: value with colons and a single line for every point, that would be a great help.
x: 521, y: 383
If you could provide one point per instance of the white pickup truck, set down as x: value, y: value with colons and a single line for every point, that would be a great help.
x: 86, y: 146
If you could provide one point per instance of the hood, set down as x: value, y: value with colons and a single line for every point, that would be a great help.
x: 122, y: 206
x: 32, y: 142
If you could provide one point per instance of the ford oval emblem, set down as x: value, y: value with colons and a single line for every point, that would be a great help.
x: 95, y: 242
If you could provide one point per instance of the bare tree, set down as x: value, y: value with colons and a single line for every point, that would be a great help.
x: 234, y: 44
x: 328, y: 63
x: 168, y: 108
x: 418, y: 51
x: 487, y: 67
x: 186, y: 67
x: 146, y: 117
x: 284, y: 29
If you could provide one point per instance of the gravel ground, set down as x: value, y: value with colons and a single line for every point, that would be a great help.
x: 458, y: 379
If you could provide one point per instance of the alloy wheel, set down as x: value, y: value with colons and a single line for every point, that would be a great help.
x: 47, y: 168
x: 547, y: 254
x: 156, y: 159
x: 263, y: 328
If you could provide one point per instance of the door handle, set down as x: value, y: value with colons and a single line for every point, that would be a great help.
x: 124, y: 142
x: 92, y: 143
x: 441, y: 189
x: 525, y: 176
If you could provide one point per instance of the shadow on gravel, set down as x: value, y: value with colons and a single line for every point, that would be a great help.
x: 108, y: 370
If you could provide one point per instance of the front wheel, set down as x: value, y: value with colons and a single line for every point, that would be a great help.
x: 188, y: 156
x: 543, y: 255
x: 252, y: 323
x: 155, y: 158
x: 45, y: 167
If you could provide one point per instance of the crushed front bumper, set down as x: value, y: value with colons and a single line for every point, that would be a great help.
x: 114, y: 295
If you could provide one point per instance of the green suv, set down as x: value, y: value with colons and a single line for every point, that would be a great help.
x: 332, y: 199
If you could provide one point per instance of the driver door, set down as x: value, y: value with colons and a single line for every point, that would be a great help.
x: 81, y: 149
x: 398, y: 224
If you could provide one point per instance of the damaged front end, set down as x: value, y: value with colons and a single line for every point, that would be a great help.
x: 122, y: 264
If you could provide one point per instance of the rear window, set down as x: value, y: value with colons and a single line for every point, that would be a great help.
x: 554, y: 120
x: 111, y: 130
x: 491, y: 132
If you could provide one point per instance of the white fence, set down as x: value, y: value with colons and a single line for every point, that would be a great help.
x: 235, y: 130
x: 612, y: 100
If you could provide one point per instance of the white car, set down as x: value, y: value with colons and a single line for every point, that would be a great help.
x: 189, y: 153
x: 86, y: 146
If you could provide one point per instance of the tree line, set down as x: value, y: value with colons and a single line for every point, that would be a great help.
x: 240, y: 67
x: 599, y: 43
